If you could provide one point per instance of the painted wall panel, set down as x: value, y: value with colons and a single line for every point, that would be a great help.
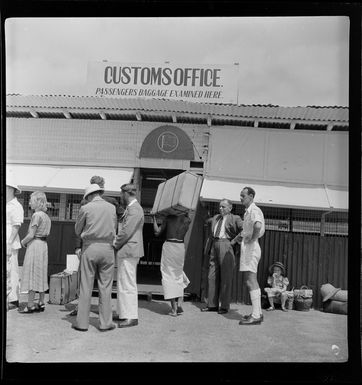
x: 296, y: 156
x: 337, y: 157
x: 236, y: 152
x: 275, y: 155
x: 87, y: 142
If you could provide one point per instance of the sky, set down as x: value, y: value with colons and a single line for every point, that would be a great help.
x: 286, y: 61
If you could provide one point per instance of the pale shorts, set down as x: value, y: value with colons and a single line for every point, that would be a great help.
x: 250, y: 254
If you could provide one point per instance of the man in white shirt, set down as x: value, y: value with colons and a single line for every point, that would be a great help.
x: 14, y: 219
x: 250, y: 253
x: 129, y: 246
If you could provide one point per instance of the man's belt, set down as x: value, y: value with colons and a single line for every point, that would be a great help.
x: 174, y: 240
x: 41, y: 238
x: 221, y: 239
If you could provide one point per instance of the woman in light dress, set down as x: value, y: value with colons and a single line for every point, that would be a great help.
x: 35, y: 267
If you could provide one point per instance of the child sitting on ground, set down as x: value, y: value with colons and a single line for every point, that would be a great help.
x: 279, y: 284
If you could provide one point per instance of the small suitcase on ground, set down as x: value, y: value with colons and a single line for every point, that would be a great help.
x: 336, y: 307
x: 177, y: 195
x: 63, y: 288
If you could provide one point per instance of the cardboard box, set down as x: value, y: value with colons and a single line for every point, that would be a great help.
x: 63, y: 287
x: 177, y: 195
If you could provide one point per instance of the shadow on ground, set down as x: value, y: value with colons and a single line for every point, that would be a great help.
x: 155, y: 307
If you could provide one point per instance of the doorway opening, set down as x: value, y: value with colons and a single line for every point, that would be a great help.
x: 148, y: 270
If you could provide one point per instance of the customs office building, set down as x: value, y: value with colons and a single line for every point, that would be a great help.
x: 296, y: 159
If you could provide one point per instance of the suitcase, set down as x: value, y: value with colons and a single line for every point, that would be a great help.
x: 63, y: 288
x: 177, y: 195
x: 336, y: 307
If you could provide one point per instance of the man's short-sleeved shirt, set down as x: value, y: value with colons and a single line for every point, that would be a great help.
x: 253, y: 214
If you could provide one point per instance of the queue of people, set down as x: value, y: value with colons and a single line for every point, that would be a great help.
x: 107, y: 235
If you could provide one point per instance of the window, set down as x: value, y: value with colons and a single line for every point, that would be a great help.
x: 72, y: 206
x: 295, y: 220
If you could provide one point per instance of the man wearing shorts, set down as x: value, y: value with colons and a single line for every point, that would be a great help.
x: 250, y: 253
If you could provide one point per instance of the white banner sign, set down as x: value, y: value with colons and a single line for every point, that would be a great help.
x: 201, y: 83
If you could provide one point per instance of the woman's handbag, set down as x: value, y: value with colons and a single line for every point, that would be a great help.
x: 303, y: 298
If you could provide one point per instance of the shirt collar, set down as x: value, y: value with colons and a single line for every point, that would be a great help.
x: 131, y: 203
x: 250, y: 207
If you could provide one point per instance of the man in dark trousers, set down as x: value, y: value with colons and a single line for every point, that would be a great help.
x: 96, y: 225
x: 225, y: 230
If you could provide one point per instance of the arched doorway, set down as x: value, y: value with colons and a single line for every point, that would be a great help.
x: 165, y: 153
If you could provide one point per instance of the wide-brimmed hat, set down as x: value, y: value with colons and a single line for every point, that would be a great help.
x: 277, y: 264
x: 11, y: 182
x: 328, y: 291
x: 91, y: 189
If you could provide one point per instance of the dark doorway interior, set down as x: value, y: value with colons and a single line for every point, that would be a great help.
x: 148, y: 271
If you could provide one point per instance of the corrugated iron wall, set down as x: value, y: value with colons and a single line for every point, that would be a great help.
x: 310, y: 260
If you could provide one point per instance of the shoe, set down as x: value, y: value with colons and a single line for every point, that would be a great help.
x: 41, y: 307
x: 284, y: 309
x: 179, y: 310
x: 173, y: 314
x: 209, y: 309
x: 128, y: 323
x: 250, y: 321
x: 73, y: 313
x: 15, y: 303
x: 222, y: 311
x: 245, y: 317
x: 28, y: 310
x: 79, y: 329
x: 112, y: 327
x: 270, y: 308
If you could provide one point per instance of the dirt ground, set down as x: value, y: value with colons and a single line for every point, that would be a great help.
x: 294, y: 336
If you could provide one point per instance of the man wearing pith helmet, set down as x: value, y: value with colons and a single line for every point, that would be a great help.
x: 96, y: 225
x: 250, y: 253
x: 14, y: 219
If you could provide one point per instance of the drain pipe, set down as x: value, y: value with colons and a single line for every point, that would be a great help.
x: 323, y: 218
x: 323, y: 221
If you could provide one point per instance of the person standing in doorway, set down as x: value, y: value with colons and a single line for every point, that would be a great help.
x: 129, y: 246
x: 250, y: 253
x: 96, y: 225
x: 14, y: 219
x: 225, y: 228
x: 174, y: 280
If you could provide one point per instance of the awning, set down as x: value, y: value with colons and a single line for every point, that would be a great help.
x: 315, y: 198
x: 67, y: 179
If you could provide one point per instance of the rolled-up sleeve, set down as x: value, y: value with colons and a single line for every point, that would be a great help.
x: 17, y: 215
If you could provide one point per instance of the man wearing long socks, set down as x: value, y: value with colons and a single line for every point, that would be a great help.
x: 250, y: 253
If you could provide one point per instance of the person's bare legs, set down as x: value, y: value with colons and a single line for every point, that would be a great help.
x: 284, y: 297
x: 271, y: 302
x: 173, y: 311
x: 180, y: 301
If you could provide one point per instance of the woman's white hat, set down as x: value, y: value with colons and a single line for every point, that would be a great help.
x: 91, y: 189
x: 10, y: 181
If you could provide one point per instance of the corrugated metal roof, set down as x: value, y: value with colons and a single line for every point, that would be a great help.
x: 175, y: 106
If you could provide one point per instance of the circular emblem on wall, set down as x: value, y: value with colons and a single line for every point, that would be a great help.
x: 167, y: 141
